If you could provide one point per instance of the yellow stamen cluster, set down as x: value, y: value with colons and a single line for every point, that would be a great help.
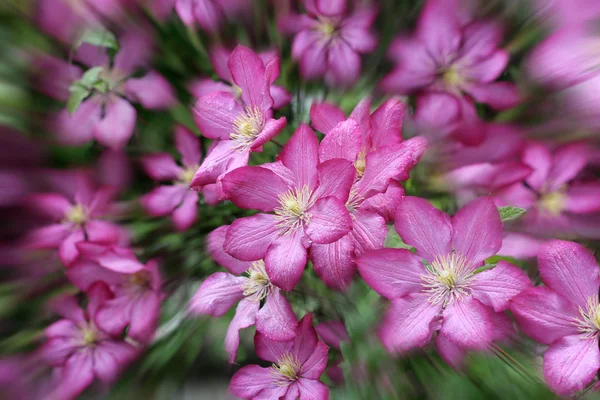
x: 247, y: 126
x: 77, y: 215
x: 354, y: 201
x: 447, y: 279
x: 327, y: 28
x: 258, y: 285
x: 188, y: 174
x: 90, y: 336
x: 553, y: 203
x: 140, y: 280
x: 287, y: 370
x: 360, y: 164
x: 292, y: 212
x: 589, y: 323
x: 451, y: 77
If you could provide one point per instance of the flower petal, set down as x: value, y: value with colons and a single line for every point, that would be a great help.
x: 217, y: 294
x: 161, y: 167
x: 163, y: 199
x: 116, y: 128
x: 336, y: 177
x: 329, y: 220
x: 386, y: 123
x: 324, y: 116
x: 214, y: 245
x: 184, y: 216
x: 468, y: 323
x: 215, y: 114
x: 306, y: 341
x: 144, y: 316
x: 343, y: 64
x: 152, y: 91
x: 271, y: 129
x: 453, y: 354
x: 498, y: 95
x: 276, y: 319
x: 285, y: 260
x: 248, y: 72
x: 75, y: 376
x: 47, y: 237
x: 222, y: 158
x: 583, y: 198
x: 568, y: 162
x: 385, y: 203
x: 78, y: 128
x: 249, y: 381
x: 301, y: 155
x: 334, y: 262
x: 249, y: 238
x: 188, y: 145
x: 343, y: 141
x: 314, y: 366
x: 311, y: 389
x: 245, y: 316
x: 369, y: 231
x: 271, y: 350
x: 254, y: 188
x: 495, y: 287
x: 439, y: 29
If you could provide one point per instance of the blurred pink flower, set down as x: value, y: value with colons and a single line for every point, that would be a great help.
x: 446, y: 293
x: 240, y: 127
x: 297, y: 367
x: 176, y: 200
x: 211, y: 14
x: 221, y: 291
x: 330, y: 38
x: 80, y: 351
x: 564, y: 314
x: 373, y: 143
x: 308, y: 200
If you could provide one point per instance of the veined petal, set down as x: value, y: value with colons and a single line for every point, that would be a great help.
x: 271, y: 129
x: 329, y: 220
x: 163, y: 199
x: 46, y: 237
x: 214, y: 245
x: 498, y: 95
x: 161, y: 167
x: 453, y: 354
x: 538, y: 157
x: 369, y: 231
x: 336, y: 177
x: 285, y: 260
x: 254, y: 188
x: 248, y: 72
x: 271, y: 350
x: 312, y: 389
x: 468, y: 323
x: 222, y: 158
x: 215, y: 114
x: 583, y: 198
x: 495, y: 287
x: 568, y: 162
x: 324, y: 116
x: 334, y: 262
x: 152, y: 91
x: 438, y: 29
x: 250, y: 380
x: 217, y: 294
x: 184, y: 216
x: 344, y: 140
x: 314, y: 366
x: 385, y: 203
x: 386, y: 123
x: 188, y: 145
x: 276, y: 319
x: 249, y: 238
x: 76, y: 375
x: 343, y: 64
x: 245, y: 316
x: 301, y: 155
x: 306, y: 341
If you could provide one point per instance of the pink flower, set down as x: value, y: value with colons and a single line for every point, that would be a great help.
x: 75, y: 220
x: 220, y: 291
x: 373, y: 143
x: 240, y: 127
x: 106, y: 115
x: 210, y: 14
x: 444, y: 292
x: 447, y: 56
x: 80, y: 351
x: 176, y: 200
x: 565, y: 314
x: 307, y: 198
x: 136, y: 289
x: 297, y: 366
x: 219, y: 57
x: 330, y: 39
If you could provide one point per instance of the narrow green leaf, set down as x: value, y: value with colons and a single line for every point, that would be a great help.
x: 484, y: 268
x: 78, y: 94
x: 100, y: 38
x: 509, y: 213
x: 91, y: 76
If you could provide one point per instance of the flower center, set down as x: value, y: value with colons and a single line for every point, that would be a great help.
x: 286, y: 370
x: 447, y: 279
x: 360, y: 164
x: 354, y: 200
x: 328, y: 29
x: 553, y: 203
x: 292, y: 212
x: 589, y: 323
x: 77, y: 214
x: 247, y: 126
x: 90, y: 337
x: 140, y: 280
x: 451, y: 77
x: 258, y: 285
x: 188, y: 174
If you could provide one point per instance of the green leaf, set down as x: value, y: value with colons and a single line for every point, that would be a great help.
x: 100, y: 38
x: 484, y: 268
x: 509, y: 213
x: 78, y: 94
x: 91, y: 76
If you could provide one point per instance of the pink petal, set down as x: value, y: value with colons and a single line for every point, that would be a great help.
x: 342, y: 141
x: 423, y: 226
x: 152, y: 91
x: 114, y: 315
x: 343, y: 64
x: 369, y: 231
x: 285, y: 260
x: 333, y: 333
x: 439, y: 29
x: 385, y: 203
x: 468, y: 323
x: 360, y: 39
x: 215, y: 113
x: 281, y: 171
x: 271, y: 129
x: 135, y: 50
x: 544, y: 315
x: 249, y: 381
x: 331, y: 8
x: 324, y: 116
x: 248, y: 72
x: 583, y: 198
x: 301, y: 155
x: 57, y: 350
x: 185, y: 11
x: 312, y: 389
x: 254, y: 188
x: 218, y: 58
x: 477, y: 230
x: 314, y: 366
x: 84, y: 273
x: 336, y: 177
x: 392, y: 273
x: 271, y: 350
x: 481, y: 39
x: 416, y: 70
x: 163, y: 199
x: 76, y: 375
x: 386, y: 123
x: 117, y: 125
x: 67, y: 251
x: 245, y: 316
x: 313, y: 54
x: 450, y: 352
x: 571, y: 363
x: 47, y: 237
x: 78, y: 128
x: 184, y: 216
x: 539, y: 158
x: 110, y: 358
x: 306, y: 341
x: 222, y: 158
x: 188, y: 145
x: 113, y: 258
x: 144, y: 316
x: 64, y: 328
x: 498, y: 95
x: 52, y: 205
x: 489, y: 69
x: 569, y: 269
x: 208, y: 14
x: 568, y: 162
x: 214, y: 245
x: 334, y: 262
x: 203, y: 86
x: 281, y: 97
x: 161, y: 167
x: 329, y: 220
x: 519, y: 245
x: 276, y: 319
x: 407, y: 323
x: 217, y: 294
x: 249, y: 238
x: 98, y: 294
x: 497, y: 286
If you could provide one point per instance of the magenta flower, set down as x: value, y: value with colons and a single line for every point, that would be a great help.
x: 565, y: 314
x: 220, y: 291
x: 330, y: 39
x: 75, y: 220
x: 308, y: 201
x: 219, y: 57
x: 210, y: 14
x: 445, y: 293
x: 108, y: 115
x: 449, y: 57
x: 373, y: 143
x: 240, y: 127
x: 136, y: 289
x: 176, y: 200
x: 297, y: 366
x: 80, y: 351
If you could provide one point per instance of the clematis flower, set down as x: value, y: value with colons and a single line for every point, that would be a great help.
x: 210, y: 14
x: 108, y: 115
x: 564, y: 314
x: 446, y: 293
x: 176, y: 200
x: 557, y: 202
x: 373, y: 143
x: 308, y: 201
x: 297, y: 366
x: 333, y: 333
x: 136, y: 289
x: 80, y: 351
x: 219, y: 57
x: 330, y: 38
x: 447, y: 56
x: 240, y: 127
x: 75, y: 219
x: 220, y: 291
